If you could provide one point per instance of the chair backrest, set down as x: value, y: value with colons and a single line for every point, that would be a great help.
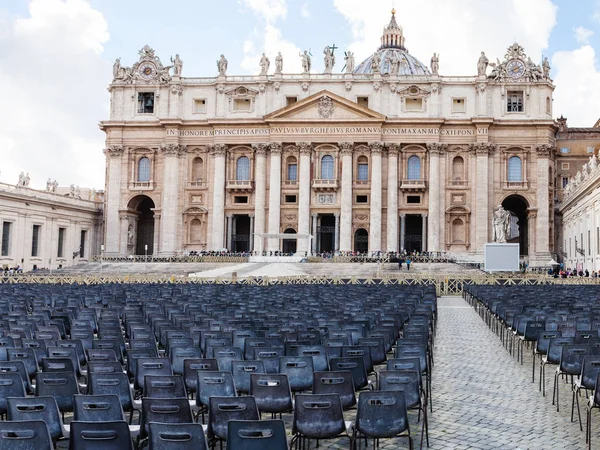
x: 110, y: 344
x: 340, y: 383
x: 532, y: 329
x: 164, y: 386
x: 65, y: 352
x: 217, y: 383
x: 381, y: 414
x: 11, y: 385
x: 60, y: 385
x: 413, y: 350
x: 571, y: 359
x: 192, y: 366
x: 223, y: 409
x: 299, y: 370
x: 164, y: 410
x: 37, y: 408
x: 27, y: 356
x: 225, y: 355
x: 355, y: 365
x: 176, y: 436
x: 27, y: 434
x: 406, y: 381
x: 97, y: 408
x: 271, y: 391
x: 100, y: 383
x: 100, y: 436
x: 377, y: 347
x: 104, y: 367
x: 242, y: 370
x: 101, y: 354
x: 318, y: 416
x: 555, y: 348
x: 150, y: 366
x: 363, y: 351
x: 318, y: 353
x: 269, y: 356
x: 56, y: 364
x: 589, y: 371
x: 256, y: 435
x: 178, y: 355
x: 543, y: 340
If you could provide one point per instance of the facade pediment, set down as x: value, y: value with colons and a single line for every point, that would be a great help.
x: 324, y: 106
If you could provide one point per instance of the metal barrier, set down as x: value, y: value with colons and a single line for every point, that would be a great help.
x: 172, y: 259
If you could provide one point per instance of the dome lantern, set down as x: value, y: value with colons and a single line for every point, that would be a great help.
x: 392, y: 36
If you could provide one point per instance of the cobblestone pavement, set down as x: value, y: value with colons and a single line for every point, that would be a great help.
x: 482, y: 397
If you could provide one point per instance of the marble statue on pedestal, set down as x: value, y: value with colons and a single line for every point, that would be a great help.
x: 264, y: 64
x: 482, y: 64
x: 501, y: 225
x: 222, y: 65
x: 349, y: 61
x: 278, y: 63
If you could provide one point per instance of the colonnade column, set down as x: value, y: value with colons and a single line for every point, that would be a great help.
x: 402, y: 231
x: 392, y: 199
x: 314, y: 233
x: 114, y: 155
x: 336, y: 236
x: 482, y: 212
x: 124, y: 229
x: 171, y: 222
x: 218, y: 204
x: 424, y: 232
x: 260, y: 152
x: 229, y: 237
x: 375, y: 212
x: 542, y: 240
x: 345, y: 243
x: 304, y: 195
x: 274, y: 195
x: 433, y: 235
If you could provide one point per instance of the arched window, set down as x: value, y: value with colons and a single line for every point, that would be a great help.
x: 292, y: 168
x: 195, y: 231
x: 197, y: 169
x: 515, y: 171
x: 327, y: 167
x: 242, y: 170
x: 414, y: 168
x: 144, y: 170
x: 458, y: 168
x: 458, y: 231
x: 362, y: 173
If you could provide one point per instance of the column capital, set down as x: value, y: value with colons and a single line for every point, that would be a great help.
x: 217, y: 149
x: 424, y: 216
x: 376, y: 147
x: 392, y: 149
x: 314, y: 216
x: 545, y: 150
x: 114, y: 150
x: 251, y: 216
x: 172, y: 149
x: 276, y: 148
x: 260, y: 149
x: 305, y: 148
x: 346, y: 148
x: 436, y: 149
x: 229, y: 216
x: 482, y: 149
x: 336, y: 215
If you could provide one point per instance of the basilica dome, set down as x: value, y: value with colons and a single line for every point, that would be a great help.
x: 392, y: 57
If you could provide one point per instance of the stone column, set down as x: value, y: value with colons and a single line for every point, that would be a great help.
x: 156, y: 241
x: 124, y: 228
x: 252, y: 225
x: 229, y: 237
x: 314, y: 233
x: 375, y: 212
x: 402, y: 231
x: 346, y: 197
x: 424, y: 233
x: 392, y: 199
x: 434, y: 234
x: 218, y: 204
x: 171, y: 219
x: 274, y: 195
x: 260, y: 177
x: 113, y: 199
x: 304, y: 195
x: 336, y: 237
x: 542, y: 225
x: 483, y: 211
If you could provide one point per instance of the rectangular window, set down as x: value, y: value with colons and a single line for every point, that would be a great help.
x: 414, y: 104
x: 240, y: 199
x: 145, y: 102
x: 242, y: 104
x: 292, y: 172
x: 514, y: 101
x: 363, y: 172
x: 590, y: 149
x: 290, y: 100
x: 413, y: 199
x: 6, y: 228
x: 564, y: 166
x: 565, y: 150
x: 82, y: 243
x: 458, y: 105
x: 565, y: 181
x: 290, y: 199
x: 363, y: 101
x: 35, y: 240
x: 61, y: 242
x: 362, y: 199
x: 199, y: 105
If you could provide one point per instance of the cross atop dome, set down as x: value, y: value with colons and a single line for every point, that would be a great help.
x: 393, y: 36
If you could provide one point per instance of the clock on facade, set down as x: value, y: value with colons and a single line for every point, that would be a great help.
x: 147, y: 70
x: 515, y: 68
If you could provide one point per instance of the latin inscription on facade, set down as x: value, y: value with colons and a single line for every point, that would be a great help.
x: 327, y: 130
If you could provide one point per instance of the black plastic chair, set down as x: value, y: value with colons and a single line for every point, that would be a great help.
x: 100, y: 383
x: 100, y: 436
x: 272, y: 393
x: 164, y: 386
x: 25, y: 435
x: 340, y: 383
x: 571, y: 362
x: 318, y: 416
x: 299, y: 370
x: 589, y: 372
x: 38, y: 408
x: 318, y: 353
x: 60, y: 385
x: 11, y: 385
x: 176, y: 436
x: 553, y: 356
x: 256, y: 435
x: 223, y: 409
x: 178, y: 355
x: 355, y: 365
x: 163, y: 410
x: 210, y: 384
x: 97, y: 408
x: 269, y: 356
x: 192, y: 366
x: 241, y: 371
x: 150, y: 366
x: 225, y: 356
x: 381, y: 414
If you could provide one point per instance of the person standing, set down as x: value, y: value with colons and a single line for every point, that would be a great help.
x: 408, y: 261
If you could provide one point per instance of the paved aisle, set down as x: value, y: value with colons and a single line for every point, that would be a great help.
x: 483, y: 399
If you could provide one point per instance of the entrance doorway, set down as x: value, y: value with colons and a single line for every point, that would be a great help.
x: 413, y: 234
x: 326, y: 233
x: 517, y: 206
x: 289, y: 245
x: 361, y: 241
x: 241, y: 233
x: 143, y: 206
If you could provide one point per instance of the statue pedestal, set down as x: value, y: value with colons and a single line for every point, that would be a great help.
x: 501, y: 257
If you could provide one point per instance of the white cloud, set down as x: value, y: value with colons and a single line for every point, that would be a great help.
x: 458, y: 31
x: 48, y: 125
x: 304, y: 12
x: 583, y: 35
x: 270, y: 10
x: 577, y: 79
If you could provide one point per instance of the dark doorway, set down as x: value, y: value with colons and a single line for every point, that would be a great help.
x: 241, y: 233
x: 361, y: 241
x: 289, y: 245
x: 326, y: 233
x: 413, y: 233
x: 144, y: 206
x: 517, y: 206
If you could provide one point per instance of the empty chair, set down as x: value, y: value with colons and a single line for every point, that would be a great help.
x: 355, y: 365
x: 377, y: 348
x: 211, y: 384
x: 590, y: 369
x: 66, y: 352
x: 38, y: 408
x: 150, y: 366
x: 101, y: 354
x: 97, y: 408
x: 571, y: 362
x: 269, y: 356
x: 60, y: 385
x: 11, y: 385
x: 164, y: 386
x: 100, y: 383
x: 256, y: 435
x: 176, y: 436
x: 381, y: 414
x: 26, y: 434
x: 318, y: 353
x: 318, y: 416
x: 192, y: 366
x: 57, y: 365
x: 299, y: 371
x: 340, y: 383
x: 177, y: 356
x: 100, y: 436
x: 27, y: 356
x: 225, y: 355
x: 541, y: 348
x: 104, y: 367
x: 163, y: 410
x: 18, y: 367
x: 553, y: 356
x: 223, y: 409
x: 241, y: 371
x: 272, y: 393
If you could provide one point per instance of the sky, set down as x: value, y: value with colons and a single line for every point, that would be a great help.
x: 56, y: 57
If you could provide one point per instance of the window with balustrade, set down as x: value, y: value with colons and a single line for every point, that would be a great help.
x: 327, y: 168
x: 242, y: 169
x: 515, y: 169
x: 292, y: 168
x: 197, y: 169
x: 362, y: 169
x: 458, y: 168
x: 414, y: 168
x: 143, y: 175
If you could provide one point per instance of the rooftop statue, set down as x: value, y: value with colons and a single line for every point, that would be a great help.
x: 328, y: 59
x: 435, y: 64
x: 349, y: 61
x: 306, y: 62
x: 264, y: 64
x: 482, y: 64
x: 278, y: 63
x: 222, y: 65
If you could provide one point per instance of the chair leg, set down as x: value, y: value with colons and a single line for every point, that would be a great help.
x: 578, y: 411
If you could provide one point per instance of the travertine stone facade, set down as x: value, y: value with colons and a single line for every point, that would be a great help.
x: 388, y: 157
